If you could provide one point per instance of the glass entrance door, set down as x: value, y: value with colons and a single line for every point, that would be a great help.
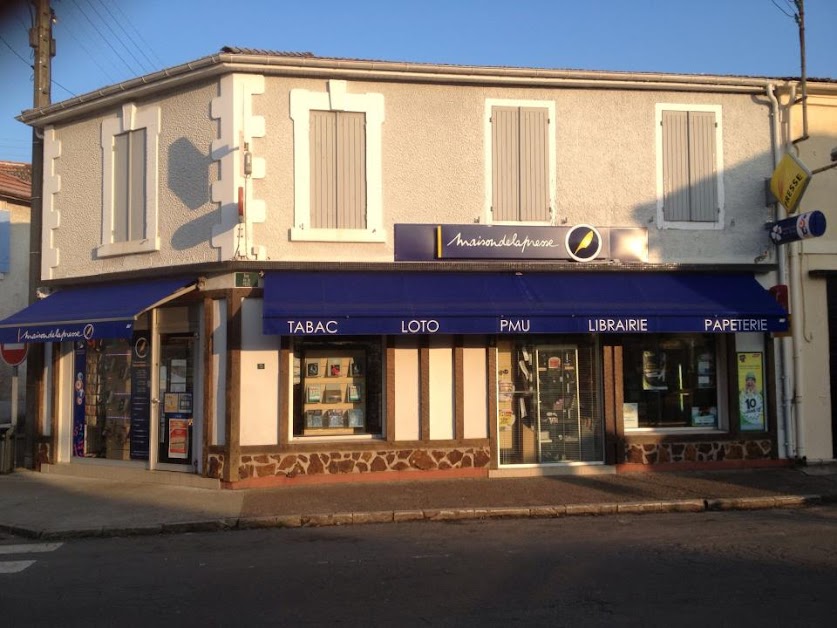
x: 548, y: 404
x: 177, y: 399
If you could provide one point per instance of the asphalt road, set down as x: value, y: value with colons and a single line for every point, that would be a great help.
x: 767, y: 567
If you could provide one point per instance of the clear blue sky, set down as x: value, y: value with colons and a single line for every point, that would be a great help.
x: 101, y: 42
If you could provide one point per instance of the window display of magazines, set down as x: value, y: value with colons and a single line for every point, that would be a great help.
x: 333, y: 394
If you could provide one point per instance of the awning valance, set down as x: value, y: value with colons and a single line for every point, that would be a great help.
x: 88, y: 312
x: 399, y: 303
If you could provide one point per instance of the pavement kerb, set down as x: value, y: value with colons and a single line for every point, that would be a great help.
x: 435, y: 514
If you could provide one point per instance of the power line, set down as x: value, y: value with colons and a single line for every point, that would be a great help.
x: 158, y: 63
x: 67, y: 27
x: 15, y: 52
x: 105, y: 39
x: 118, y: 22
x: 118, y: 38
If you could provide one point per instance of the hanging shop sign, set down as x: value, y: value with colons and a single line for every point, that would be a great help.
x: 579, y: 243
x: 789, y: 182
x: 801, y: 227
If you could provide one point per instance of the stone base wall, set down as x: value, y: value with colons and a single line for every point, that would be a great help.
x: 711, y: 451
x: 338, y: 461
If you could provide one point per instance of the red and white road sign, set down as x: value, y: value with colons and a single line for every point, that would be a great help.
x: 13, y: 354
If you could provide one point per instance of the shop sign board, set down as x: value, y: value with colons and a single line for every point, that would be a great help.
x: 579, y: 243
x: 400, y: 326
x: 789, y: 182
x: 13, y: 354
x: 800, y: 227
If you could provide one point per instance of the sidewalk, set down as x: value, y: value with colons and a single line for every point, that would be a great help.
x: 52, y: 506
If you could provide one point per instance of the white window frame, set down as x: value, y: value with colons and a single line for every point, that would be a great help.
x: 131, y: 118
x: 337, y: 98
x: 490, y: 103
x: 662, y: 223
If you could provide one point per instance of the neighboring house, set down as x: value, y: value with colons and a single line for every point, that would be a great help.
x: 814, y: 278
x: 15, y: 203
x: 277, y: 267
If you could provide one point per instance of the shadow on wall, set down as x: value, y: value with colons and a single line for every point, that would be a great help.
x: 188, y: 178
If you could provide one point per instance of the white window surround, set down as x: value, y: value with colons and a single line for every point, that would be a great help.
x: 490, y: 103
x: 662, y: 223
x: 337, y: 98
x: 131, y: 118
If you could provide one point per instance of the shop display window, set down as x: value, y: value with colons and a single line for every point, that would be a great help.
x: 670, y: 381
x: 103, y: 400
x: 338, y: 388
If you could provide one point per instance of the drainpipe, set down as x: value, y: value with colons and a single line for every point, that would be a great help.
x: 784, y: 365
x: 797, y: 313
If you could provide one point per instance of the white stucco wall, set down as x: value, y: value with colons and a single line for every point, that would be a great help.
x: 433, y: 169
x: 259, y: 379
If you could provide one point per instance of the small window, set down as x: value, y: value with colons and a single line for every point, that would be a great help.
x: 520, y: 160
x: 339, y: 389
x: 690, y: 185
x: 671, y: 381
x: 338, y: 193
x: 130, y: 143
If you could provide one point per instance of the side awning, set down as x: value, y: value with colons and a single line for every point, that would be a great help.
x: 398, y: 303
x: 88, y: 312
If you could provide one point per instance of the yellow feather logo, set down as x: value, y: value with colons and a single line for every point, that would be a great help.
x: 585, y: 242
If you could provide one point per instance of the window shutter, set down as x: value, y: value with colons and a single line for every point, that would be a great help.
x: 534, y: 164
x: 121, y: 187
x: 137, y: 183
x: 702, y: 174
x: 505, y: 168
x: 338, y: 170
x: 676, y: 165
x: 323, y: 176
x: 351, y: 170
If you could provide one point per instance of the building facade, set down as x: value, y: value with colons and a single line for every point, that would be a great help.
x: 271, y: 267
x: 809, y: 132
x: 15, y: 203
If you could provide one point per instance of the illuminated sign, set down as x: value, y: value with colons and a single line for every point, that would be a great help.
x: 580, y: 243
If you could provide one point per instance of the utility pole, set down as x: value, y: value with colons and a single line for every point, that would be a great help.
x: 41, y: 41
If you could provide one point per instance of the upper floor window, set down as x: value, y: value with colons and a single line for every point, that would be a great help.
x: 129, y: 186
x: 520, y: 161
x: 690, y: 192
x: 337, y: 165
x: 129, y: 182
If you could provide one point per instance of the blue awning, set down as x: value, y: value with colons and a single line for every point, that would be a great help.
x: 399, y: 303
x: 88, y: 312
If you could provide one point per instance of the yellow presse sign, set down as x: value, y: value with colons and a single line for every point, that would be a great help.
x: 789, y: 180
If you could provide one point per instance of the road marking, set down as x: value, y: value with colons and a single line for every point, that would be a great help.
x: 29, y: 548
x: 15, y: 566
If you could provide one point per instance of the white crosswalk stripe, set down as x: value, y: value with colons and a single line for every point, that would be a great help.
x: 16, y: 566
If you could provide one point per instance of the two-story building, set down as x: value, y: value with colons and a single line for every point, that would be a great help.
x: 274, y: 267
